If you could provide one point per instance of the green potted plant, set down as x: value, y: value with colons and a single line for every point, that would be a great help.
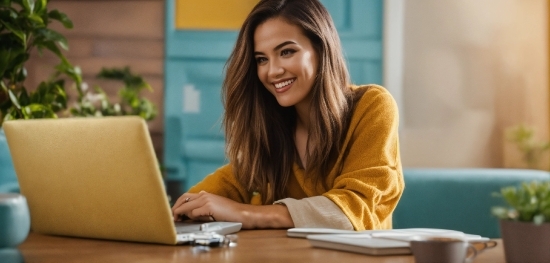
x: 23, y: 28
x: 525, y: 222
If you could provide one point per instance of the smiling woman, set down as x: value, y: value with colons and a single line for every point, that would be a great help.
x: 306, y: 147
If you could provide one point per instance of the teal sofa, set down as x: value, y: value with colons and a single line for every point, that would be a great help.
x: 458, y: 199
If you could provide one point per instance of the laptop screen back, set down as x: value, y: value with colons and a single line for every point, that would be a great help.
x: 91, y: 177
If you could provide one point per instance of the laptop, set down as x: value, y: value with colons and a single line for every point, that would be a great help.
x: 96, y: 178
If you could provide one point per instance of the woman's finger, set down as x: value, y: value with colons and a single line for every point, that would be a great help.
x: 196, y: 201
x: 182, y: 200
x: 205, y: 219
x: 202, y: 213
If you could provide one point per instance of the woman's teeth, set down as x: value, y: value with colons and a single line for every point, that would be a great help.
x: 284, y: 83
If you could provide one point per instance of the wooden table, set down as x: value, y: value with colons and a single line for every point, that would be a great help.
x: 255, y: 246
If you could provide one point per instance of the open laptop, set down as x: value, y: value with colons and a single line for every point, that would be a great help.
x: 95, y: 178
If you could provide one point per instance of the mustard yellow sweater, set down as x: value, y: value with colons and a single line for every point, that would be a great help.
x: 371, y: 180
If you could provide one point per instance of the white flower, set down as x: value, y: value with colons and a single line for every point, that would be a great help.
x: 84, y: 86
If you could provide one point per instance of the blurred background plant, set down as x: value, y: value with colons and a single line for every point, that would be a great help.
x: 23, y: 27
x: 532, y: 150
x: 96, y: 102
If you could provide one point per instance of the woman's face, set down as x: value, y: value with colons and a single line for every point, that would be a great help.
x: 286, y: 61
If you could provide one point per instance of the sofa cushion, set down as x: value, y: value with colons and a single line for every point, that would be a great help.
x: 458, y: 199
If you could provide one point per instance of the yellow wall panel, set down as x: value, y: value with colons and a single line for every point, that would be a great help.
x: 212, y: 14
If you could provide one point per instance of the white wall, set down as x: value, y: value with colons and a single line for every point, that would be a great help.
x: 471, y: 68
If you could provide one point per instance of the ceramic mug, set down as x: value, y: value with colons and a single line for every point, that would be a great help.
x: 442, y: 249
x: 15, y: 221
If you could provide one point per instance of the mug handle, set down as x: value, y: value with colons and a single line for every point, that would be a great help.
x: 472, y: 253
x: 484, y: 245
x: 490, y: 244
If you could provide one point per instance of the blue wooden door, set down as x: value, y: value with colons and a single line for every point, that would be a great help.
x: 195, y: 59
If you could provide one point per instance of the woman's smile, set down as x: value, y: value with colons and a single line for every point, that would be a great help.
x: 283, y: 86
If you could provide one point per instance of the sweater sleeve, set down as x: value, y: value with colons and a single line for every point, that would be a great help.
x: 223, y: 182
x: 370, y: 183
x: 316, y: 211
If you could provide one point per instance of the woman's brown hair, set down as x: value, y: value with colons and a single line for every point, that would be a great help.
x: 259, y: 132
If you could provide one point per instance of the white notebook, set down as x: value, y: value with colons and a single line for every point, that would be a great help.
x: 374, y: 242
x: 358, y: 243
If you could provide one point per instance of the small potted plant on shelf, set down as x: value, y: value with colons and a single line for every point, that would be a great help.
x: 525, y: 223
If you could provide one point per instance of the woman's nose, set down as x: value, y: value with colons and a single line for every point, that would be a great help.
x: 275, y: 69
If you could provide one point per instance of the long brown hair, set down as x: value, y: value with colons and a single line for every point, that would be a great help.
x: 259, y: 132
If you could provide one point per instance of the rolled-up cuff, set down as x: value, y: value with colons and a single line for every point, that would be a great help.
x: 317, y: 211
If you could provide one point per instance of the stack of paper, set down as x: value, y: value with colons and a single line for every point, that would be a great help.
x: 375, y: 242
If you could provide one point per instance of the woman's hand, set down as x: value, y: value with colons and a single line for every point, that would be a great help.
x: 205, y: 206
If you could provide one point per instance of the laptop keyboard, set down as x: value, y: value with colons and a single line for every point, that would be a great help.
x: 222, y: 228
x: 187, y: 227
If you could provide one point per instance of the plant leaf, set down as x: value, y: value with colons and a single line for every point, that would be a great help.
x: 4, y: 97
x: 18, y: 58
x: 500, y: 212
x: 22, y: 74
x: 530, y: 202
x: 60, y: 98
x: 4, y: 59
x: 37, y: 19
x: 38, y: 111
x: 28, y: 6
x: 74, y: 72
x: 13, y: 99
x: 61, y: 17
x: 52, y: 35
x: 53, y: 48
x: 20, y: 34
x: 40, y: 6
x: 147, y: 110
x: 24, y: 98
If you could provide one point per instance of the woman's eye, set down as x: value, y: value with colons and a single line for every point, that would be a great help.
x: 287, y: 52
x: 260, y: 60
